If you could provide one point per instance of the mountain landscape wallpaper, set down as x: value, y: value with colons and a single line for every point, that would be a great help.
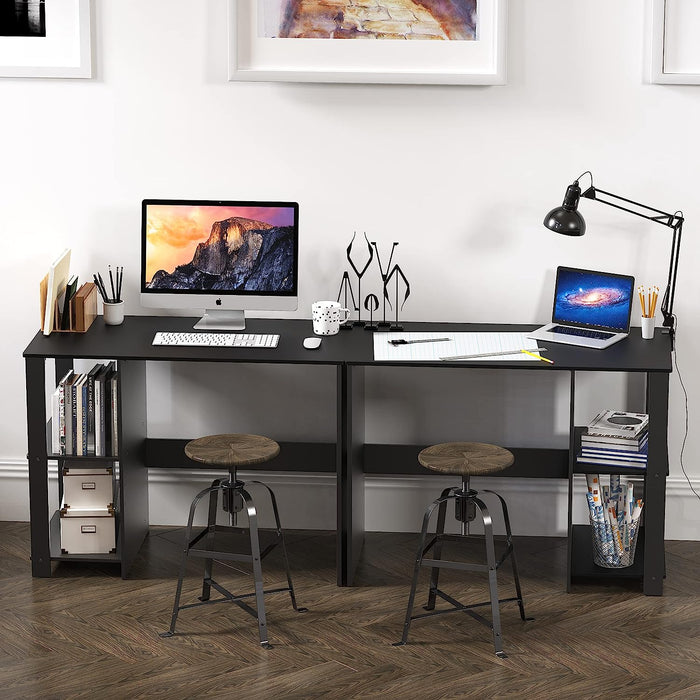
x: 220, y: 249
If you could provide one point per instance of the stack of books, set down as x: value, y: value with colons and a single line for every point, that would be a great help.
x: 616, y: 439
x: 84, y: 413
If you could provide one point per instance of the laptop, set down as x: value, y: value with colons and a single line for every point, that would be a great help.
x: 591, y: 309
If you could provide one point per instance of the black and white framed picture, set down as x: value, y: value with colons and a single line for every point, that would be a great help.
x: 673, y: 48
x: 45, y: 39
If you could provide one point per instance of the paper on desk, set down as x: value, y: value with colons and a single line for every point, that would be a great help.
x: 459, y: 344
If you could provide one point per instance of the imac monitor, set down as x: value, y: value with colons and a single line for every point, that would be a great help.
x: 222, y: 257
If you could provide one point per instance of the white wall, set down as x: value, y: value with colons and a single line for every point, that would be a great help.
x: 461, y: 176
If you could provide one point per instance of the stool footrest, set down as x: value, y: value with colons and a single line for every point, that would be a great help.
x: 228, y: 597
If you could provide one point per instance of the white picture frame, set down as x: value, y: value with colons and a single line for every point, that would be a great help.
x: 65, y: 51
x: 477, y: 62
x: 674, y: 49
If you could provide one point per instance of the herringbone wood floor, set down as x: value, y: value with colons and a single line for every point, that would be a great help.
x: 85, y: 633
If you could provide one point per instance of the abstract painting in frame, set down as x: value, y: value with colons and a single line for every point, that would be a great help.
x: 45, y: 39
x: 674, y: 48
x: 449, y: 42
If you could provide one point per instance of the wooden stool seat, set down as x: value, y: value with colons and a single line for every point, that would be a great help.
x: 232, y: 450
x: 465, y: 458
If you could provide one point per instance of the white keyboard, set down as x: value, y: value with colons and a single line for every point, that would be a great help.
x: 218, y: 340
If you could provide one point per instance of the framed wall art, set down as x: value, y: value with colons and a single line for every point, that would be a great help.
x: 674, y: 48
x: 45, y: 39
x: 449, y: 42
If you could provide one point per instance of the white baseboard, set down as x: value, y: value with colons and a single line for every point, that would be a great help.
x: 392, y: 504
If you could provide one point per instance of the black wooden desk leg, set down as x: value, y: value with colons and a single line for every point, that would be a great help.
x: 350, y: 473
x: 655, y: 496
x: 133, y: 471
x: 38, y: 467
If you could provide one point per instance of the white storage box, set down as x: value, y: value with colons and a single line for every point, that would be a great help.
x: 87, y: 488
x: 88, y: 531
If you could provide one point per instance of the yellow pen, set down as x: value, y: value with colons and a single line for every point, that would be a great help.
x: 538, y: 357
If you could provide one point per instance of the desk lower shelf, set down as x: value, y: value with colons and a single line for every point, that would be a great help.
x: 582, y: 566
x: 386, y: 460
x: 58, y: 555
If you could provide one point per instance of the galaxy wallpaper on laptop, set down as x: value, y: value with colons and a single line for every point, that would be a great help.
x: 593, y: 298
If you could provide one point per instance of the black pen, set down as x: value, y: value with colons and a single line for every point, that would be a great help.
x: 403, y: 341
x: 111, y: 283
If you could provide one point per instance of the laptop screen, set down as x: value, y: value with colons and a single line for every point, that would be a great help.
x: 590, y: 299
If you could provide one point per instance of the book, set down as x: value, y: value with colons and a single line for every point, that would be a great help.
x: 623, y: 442
x: 84, y: 306
x: 612, y: 462
x: 62, y: 411
x: 114, y: 413
x: 609, y: 423
x: 71, y: 288
x: 91, y: 409
x: 84, y: 417
x: 110, y: 410
x: 56, y: 422
x: 55, y: 285
x: 70, y: 413
x: 100, y: 396
x: 78, y: 425
x: 615, y: 454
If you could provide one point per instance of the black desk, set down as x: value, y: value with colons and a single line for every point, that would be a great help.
x: 349, y: 352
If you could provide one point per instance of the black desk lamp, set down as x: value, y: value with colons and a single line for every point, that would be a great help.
x: 566, y: 219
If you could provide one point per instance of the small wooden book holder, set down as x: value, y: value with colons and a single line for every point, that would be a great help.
x: 82, y: 310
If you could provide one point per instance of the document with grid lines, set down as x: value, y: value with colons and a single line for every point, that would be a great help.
x: 434, y: 347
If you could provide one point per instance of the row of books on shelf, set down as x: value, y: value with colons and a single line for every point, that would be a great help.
x: 84, y: 413
x: 616, y: 439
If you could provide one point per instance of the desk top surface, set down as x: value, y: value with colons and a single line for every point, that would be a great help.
x: 133, y: 341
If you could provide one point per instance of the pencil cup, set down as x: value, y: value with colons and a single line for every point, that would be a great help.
x: 648, y: 327
x: 113, y: 313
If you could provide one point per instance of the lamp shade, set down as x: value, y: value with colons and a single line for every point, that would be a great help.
x: 566, y: 218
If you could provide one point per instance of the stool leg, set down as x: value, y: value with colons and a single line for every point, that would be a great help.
x: 280, y: 535
x: 257, y: 567
x: 416, y: 568
x: 437, y: 550
x: 211, y: 524
x: 513, y: 560
x: 493, y: 583
x: 183, y: 561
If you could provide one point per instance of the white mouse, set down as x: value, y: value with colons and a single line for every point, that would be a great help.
x: 312, y: 343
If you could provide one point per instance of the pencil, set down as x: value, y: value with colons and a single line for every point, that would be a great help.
x: 538, y: 357
x: 641, y: 300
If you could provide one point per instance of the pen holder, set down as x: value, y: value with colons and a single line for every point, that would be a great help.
x: 605, y: 554
x: 113, y: 313
x: 648, y: 327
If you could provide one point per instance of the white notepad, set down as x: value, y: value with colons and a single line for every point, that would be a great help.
x: 457, y: 345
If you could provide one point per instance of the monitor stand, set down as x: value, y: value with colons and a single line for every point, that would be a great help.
x: 221, y: 320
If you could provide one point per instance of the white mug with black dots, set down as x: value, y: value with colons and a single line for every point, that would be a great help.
x: 327, y: 317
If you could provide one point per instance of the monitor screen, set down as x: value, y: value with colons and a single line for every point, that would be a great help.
x: 593, y: 299
x: 224, y: 257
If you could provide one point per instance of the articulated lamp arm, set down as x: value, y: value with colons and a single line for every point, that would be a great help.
x: 568, y: 220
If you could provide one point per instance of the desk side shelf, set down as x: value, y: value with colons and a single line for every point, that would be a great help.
x: 583, y: 567
x: 130, y: 472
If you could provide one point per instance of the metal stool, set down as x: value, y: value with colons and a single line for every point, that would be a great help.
x: 230, y: 452
x: 466, y: 459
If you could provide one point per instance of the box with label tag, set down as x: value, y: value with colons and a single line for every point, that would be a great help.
x: 87, y: 488
x: 88, y: 531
